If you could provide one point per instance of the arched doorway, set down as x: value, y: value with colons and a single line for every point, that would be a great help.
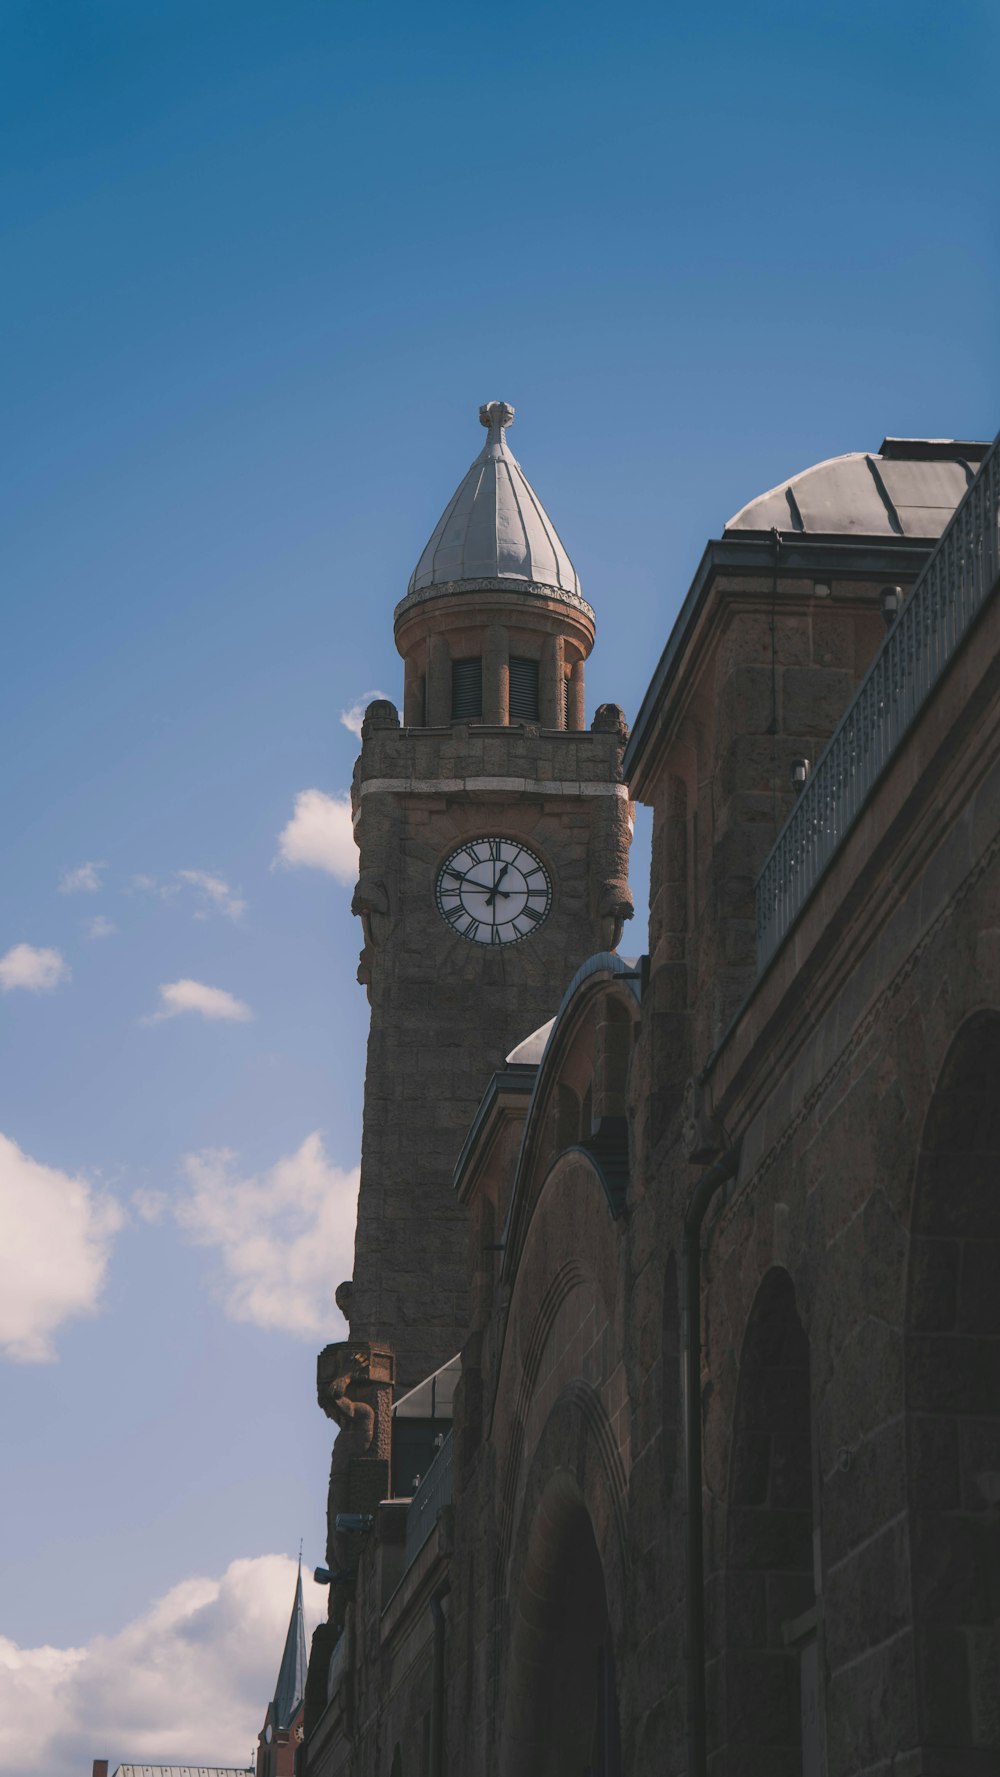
x: 773, y: 1705
x: 953, y: 1406
x: 561, y: 1718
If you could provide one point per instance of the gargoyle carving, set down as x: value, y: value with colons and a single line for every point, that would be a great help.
x: 342, y: 1401
x: 370, y: 902
x: 614, y: 907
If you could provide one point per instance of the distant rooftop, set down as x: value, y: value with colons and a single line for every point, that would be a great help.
x: 908, y: 488
x: 184, y: 1771
x: 529, y: 1052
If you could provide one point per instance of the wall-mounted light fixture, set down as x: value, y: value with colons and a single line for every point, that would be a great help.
x: 355, y: 1523
x: 799, y: 772
x: 890, y: 598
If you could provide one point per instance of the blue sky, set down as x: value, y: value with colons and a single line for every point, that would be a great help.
x: 262, y: 263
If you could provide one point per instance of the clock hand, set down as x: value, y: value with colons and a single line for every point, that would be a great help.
x: 471, y: 880
x: 497, y: 890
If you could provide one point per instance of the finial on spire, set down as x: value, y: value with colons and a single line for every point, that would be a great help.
x: 496, y: 413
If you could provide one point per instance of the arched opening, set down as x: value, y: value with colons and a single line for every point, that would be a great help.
x: 397, y: 1762
x: 953, y: 1407
x: 567, y: 1117
x: 772, y: 1653
x: 562, y: 1709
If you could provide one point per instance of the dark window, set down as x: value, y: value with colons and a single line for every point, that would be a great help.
x: 523, y: 690
x: 466, y: 690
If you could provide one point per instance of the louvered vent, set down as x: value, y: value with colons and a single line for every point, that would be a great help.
x: 466, y: 690
x: 565, y: 702
x: 523, y: 690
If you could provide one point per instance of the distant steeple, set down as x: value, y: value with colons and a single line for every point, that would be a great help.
x: 291, y: 1686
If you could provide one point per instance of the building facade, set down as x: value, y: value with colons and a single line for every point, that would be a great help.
x: 713, y: 1454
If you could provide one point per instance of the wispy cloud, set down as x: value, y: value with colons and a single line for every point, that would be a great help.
x: 213, y: 892
x: 141, y: 884
x: 284, y: 1238
x: 85, y: 879
x: 320, y: 836
x: 210, y: 1642
x: 58, y: 1232
x: 39, y: 971
x: 99, y: 927
x: 194, y: 996
x: 353, y: 717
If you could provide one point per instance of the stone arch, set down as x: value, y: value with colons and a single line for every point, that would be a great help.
x: 952, y: 1358
x: 561, y: 1710
x: 772, y: 1657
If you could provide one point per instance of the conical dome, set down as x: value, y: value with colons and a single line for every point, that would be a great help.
x: 495, y: 531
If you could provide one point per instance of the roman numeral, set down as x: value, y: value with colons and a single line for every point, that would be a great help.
x: 530, y: 913
x: 471, y: 930
x: 494, y: 846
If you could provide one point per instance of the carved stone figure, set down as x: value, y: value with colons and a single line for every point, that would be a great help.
x: 614, y: 908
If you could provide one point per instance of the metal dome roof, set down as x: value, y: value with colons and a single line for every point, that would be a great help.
x: 909, y: 488
x: 495, y: 532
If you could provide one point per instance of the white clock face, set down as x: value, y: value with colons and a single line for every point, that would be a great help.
x: 493, y: 891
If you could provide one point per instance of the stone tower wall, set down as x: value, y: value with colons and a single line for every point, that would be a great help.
x: 445, y: 1011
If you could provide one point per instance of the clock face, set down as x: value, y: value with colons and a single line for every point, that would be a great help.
x: 493, y: 891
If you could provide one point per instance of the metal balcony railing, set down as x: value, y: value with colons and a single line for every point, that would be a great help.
x: 431, y: 1496
x: 958, y: 578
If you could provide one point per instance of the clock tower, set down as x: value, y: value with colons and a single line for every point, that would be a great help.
x: 493, y: 829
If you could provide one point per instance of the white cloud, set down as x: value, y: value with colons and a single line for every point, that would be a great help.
x: 99, y: 927
x: 320, y: 836
x: 215, y: 892
x: 57, y: 1237
x: 194, y: 996
x: 352, y: 718
x: 187, y: 1682
x: 85, y: 879
x: 284, y: 1238
x: 37, y: 970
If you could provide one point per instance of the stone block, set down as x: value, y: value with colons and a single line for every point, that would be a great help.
x: 943, y: 1667
x: 867, y: 1596
x: 871, y: 1708
x: 813, y: 699
x: 934, y: 1461
x: 745, y: 704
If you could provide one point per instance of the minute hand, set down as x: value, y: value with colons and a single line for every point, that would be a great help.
x: 497, y: 890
